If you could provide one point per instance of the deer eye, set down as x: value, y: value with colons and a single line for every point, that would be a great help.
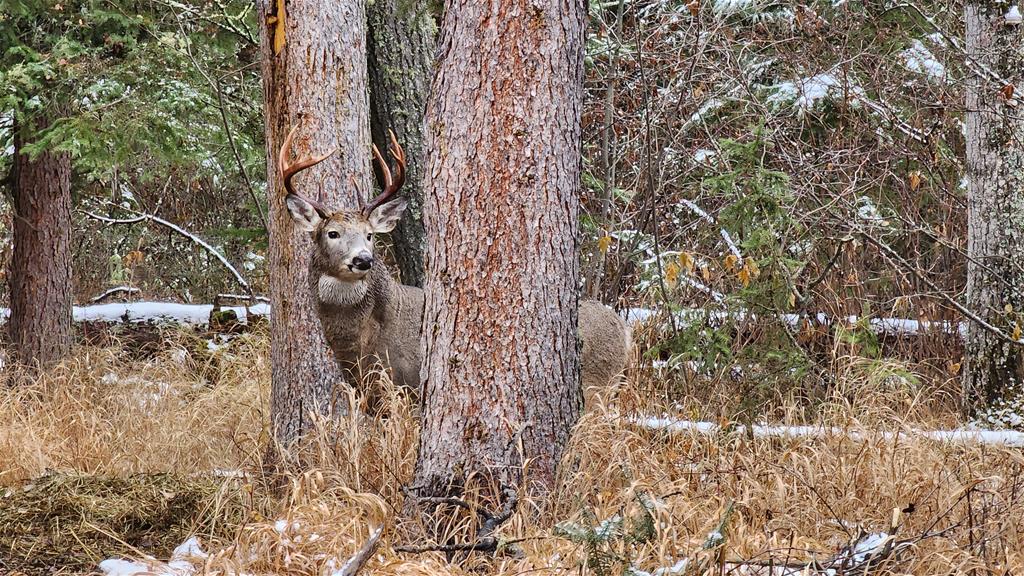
x: 369, y: 236
x: 333, y: 235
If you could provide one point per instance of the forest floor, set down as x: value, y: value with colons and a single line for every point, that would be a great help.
x: 127, y: 452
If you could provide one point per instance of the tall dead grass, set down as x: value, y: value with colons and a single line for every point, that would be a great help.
x: 189, y: 410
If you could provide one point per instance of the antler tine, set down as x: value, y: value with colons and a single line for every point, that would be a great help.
x: 392, y: 183
x: 384, y: 168
x: 290, y: 169
x: 396, y: 150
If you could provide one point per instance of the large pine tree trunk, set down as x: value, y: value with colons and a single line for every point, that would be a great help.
x: 501, y: 358
x: 401, y: 41
x: 40, y: 271
x: 318, y: 82
x: 995, y: 203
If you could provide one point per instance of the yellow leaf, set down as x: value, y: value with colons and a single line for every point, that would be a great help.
x: 705, y: 273
x: 604, y: 243
x: 915, y: 179
x: 744, y: 276
x: 730, y: 261
x: 954, y: 368
x: 132, y: 258
x: 671, y: 274
x: 792, y: 300
x: 752, y: 266
x: 1008, y: 308
x: 687, y: 262
x: 1016, y: 331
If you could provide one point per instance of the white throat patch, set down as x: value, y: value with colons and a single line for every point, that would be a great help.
x: 340, y: 293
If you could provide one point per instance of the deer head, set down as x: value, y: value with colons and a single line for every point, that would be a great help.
x: 344, y: 238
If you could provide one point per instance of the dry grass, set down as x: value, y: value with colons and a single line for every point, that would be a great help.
x: 190, y: 412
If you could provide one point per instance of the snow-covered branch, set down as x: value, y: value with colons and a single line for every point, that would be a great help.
x: 181, y: 232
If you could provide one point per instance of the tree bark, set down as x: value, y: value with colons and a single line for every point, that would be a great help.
x: 995, y: 203
x: 40, y: 270
x: 400, y: 54
x: 501, y: 200
x: 318, y: 82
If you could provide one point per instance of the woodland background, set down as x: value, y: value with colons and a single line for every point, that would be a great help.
x: 774, y: 194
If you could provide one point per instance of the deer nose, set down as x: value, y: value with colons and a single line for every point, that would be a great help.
x: 362, y: 262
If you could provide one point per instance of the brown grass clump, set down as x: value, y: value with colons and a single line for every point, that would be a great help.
x: 105, y: 411
x: 71, y: 522
x: 628, y: 496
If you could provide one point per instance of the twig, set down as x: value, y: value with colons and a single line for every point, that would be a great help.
x: 115, y: 290
x: 182, y: 232
x: 895, y: 257
x: 215, y: 86
x: 491, y: 522
x: 357, y: 561
x: 489, y: 544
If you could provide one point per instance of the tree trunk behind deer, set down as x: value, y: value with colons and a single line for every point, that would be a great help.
x: 316, y: 81
x: 995, y: 202
x: 400, y: 55
x: 500, y: 372
x: 40, y: 273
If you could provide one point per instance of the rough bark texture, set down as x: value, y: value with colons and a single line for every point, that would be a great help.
x: 501, y: 199
x: 318, y: 82
x: 401, y: 42
x: 40, y: 271
x: 995, y: 199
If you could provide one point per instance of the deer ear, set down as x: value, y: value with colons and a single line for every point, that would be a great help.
x: 305, y: 215
x: 385, y: 218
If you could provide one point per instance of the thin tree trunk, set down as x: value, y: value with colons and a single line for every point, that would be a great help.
x: 317, y: 82
x: 40, y: 271
x: 401, y: 42
x: 995, y: 200
x: 501, y: 359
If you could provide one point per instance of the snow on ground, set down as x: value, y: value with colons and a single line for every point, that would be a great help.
x: 155, y: 312
x: 955, y: 436
x: 891, y: 326
x: 182, y: 563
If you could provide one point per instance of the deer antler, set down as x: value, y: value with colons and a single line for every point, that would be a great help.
x: 391, y: 185
x: 290, y: 169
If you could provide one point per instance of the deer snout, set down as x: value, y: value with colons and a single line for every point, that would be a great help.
x: 362, y: 261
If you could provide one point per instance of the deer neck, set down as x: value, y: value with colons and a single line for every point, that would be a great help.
x: 363, y: 297
x: 331, y: 291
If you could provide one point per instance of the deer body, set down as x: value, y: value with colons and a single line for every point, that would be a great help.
x: 371, y: 321
x: 369, y: 318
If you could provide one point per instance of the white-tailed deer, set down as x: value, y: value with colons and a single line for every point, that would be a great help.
x: 368, y: 317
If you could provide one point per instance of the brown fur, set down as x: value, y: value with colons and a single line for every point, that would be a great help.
x: 377, y: 320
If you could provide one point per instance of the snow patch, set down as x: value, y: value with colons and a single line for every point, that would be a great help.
x: 1007, y: 438
x: 918, y: 58
x: 156, y: 312
x: 182, y: 563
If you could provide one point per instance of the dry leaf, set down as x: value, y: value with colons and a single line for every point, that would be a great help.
x: 915, y: 179
x: 671, y: 274
x: 133, y: 258
x: 744, y: 276
x: 687, y: 262
x: 730, y: 261
x: 604, y: 243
